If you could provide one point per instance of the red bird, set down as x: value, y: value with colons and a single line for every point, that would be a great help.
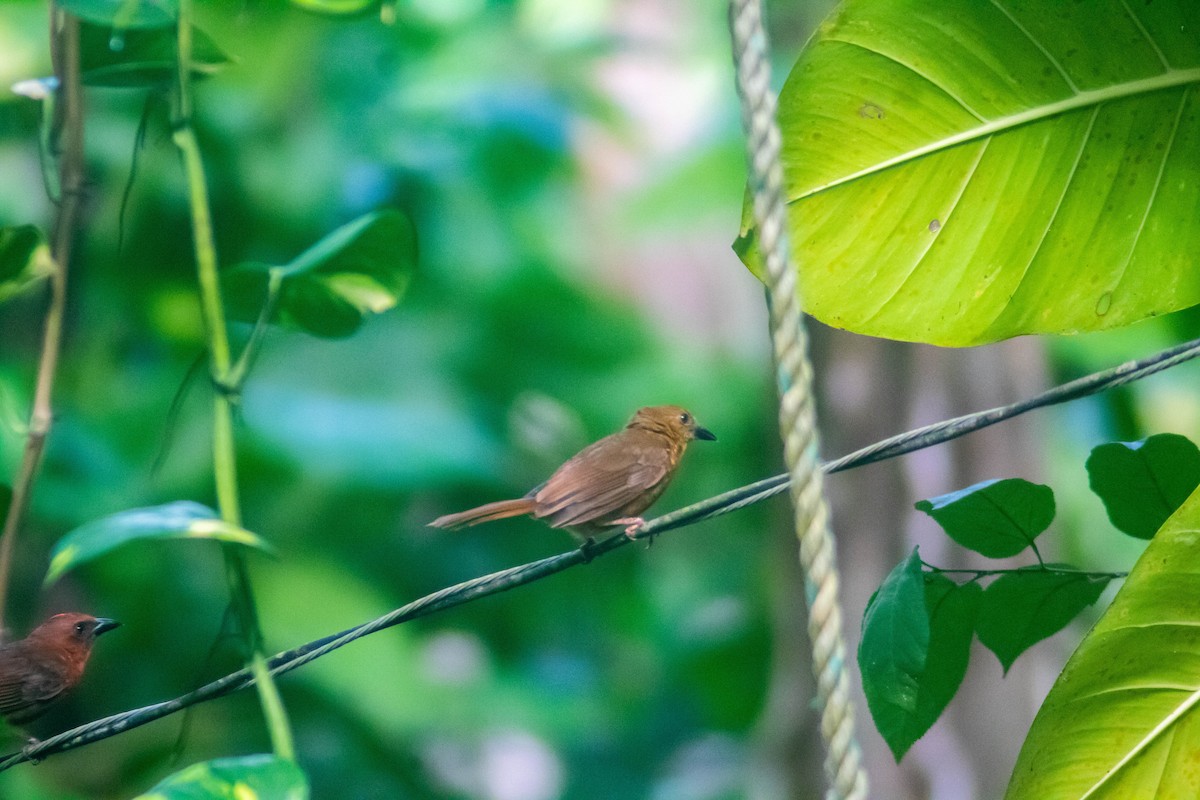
x: 607, y: 483
x: 46, y: 664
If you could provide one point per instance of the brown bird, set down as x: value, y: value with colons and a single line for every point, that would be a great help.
x: 46, y: 664
x: 607, y: 483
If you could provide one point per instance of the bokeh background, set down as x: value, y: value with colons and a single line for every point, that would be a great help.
x: 575, y: 174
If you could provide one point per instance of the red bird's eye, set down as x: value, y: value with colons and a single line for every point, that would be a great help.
x: 80, y: 627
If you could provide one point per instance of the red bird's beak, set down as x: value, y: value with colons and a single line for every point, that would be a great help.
x: 705, y: 434
x: 104, y: 624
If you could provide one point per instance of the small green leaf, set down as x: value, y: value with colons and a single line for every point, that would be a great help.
x: 123, y: 14
x: 145, y: 58
x: 997, y: 519
x: 893, y: 653
x: 950, y: 610
x: 179, y: 520
x: 24, y: 259
x: 953, y: 610
x: 360, y: 269
x: 1143, y: 483
x: 335, y: 6
x: 256, y: 777
x: 1021, y: 608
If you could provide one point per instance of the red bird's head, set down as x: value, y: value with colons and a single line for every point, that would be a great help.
x: 71, y: 631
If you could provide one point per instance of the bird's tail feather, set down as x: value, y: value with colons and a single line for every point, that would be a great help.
x: 485, y: 513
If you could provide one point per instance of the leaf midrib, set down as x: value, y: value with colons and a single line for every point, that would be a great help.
x: 1092, y: 97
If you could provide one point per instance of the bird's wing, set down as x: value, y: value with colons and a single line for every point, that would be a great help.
x: 603, y: 478
x: 21, y: 686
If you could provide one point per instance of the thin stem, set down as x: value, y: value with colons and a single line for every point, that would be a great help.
x: 64, y: 39
x: 1037, y: 554
x: 1040, y: 567
x: 237, y: 374
x: 224, y: 443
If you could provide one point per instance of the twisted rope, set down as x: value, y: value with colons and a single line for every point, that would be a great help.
x: 797, y: 417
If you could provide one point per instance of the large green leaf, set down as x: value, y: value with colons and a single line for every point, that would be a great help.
x: 179, y: 520
x: 24, y: 259
x: 1143, y: 483
x: 960, y: 172
x: 257, y: 777
x: 361, y: 268
x: 997, y: 518
x: 1121, y: 720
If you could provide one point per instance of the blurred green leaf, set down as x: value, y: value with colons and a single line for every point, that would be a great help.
x: 24, y: 259
x: 1020, y: 609
x: 361, y: 268
x: 997, y: 518
x: 256, y: 777
x: 179, y: 520
x: 948, y: 164
x: 145, y: 58
x: 335, y: 6
x: 1143, y: 483
x: 1121, y: 722
x: 122, y: 14
x: 893, y: 654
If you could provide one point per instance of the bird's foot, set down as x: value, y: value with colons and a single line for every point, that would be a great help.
x: 632, y: 525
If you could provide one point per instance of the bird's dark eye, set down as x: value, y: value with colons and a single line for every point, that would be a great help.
x: 80, y: 627
x: 685, y: 418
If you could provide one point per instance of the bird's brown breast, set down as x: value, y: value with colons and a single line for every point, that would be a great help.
x: 619, y: 476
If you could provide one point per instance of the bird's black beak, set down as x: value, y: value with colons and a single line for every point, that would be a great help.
x: 705, y: 434
x: 104, y: 624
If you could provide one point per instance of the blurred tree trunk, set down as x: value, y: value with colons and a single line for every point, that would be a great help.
x: 869, y: 389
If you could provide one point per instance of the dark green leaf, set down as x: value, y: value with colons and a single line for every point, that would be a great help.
x: 996, y: 519
x: 893, y: 652
x: 257, y: 777
x: 361, y: 268
x: 123, y: 14
x: 179, y: 520
x: 1021, y: 608
x: 952, y: 610
x: 1143, y: 483
x: 24, y: 259
x: 144, y: 58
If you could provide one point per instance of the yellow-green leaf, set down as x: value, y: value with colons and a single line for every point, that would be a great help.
x: 256, y: 777
x: 962, y: 171
x: 1121, y: 721
x: 179, y: 520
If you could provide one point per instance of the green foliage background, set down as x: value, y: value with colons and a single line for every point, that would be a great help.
x: 519, y: 340
x: 508, y: 352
